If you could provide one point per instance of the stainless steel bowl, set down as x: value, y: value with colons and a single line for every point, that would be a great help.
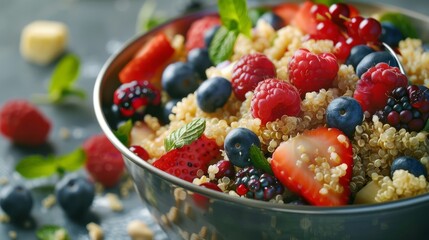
x: 172, y: 200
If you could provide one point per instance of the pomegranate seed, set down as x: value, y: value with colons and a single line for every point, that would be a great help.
x: 241, y: 189
x: 140, y: 152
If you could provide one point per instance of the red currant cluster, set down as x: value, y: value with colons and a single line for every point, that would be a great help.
x: 342, y: 24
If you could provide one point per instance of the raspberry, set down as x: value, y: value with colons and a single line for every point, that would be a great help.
x: 249, y: 71
x: 274, y: 98
x: 253, y: 183
x: 103, y: 161
x: 406, y: 108
x: 195, y: 34
x: 310, y: 72
x: 23, y: 123
x: 375, y: 85
x: 132, y: 98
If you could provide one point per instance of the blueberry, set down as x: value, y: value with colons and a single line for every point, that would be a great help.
x: 168, y: 107
x: 273, y: 19
x: 426, y: 47
x: 209, y: 34
x: 372, y: 59
x: 179, y: 79
x: 344, y: 113
x: 357, y: 54
x: 16, y: 201
x: 410, y: 164
x: 75, y: 195
x: 237, y: 145
x: 256, y: 13
x: 199, y: 59
x: 213, y: 94
x: 390, y: 34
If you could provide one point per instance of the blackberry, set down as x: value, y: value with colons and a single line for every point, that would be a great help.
x: 131, y: 99
x: 406, y: 108
x: 253, y: 183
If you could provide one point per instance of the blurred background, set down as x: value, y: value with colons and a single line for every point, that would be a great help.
x: 97, y: 29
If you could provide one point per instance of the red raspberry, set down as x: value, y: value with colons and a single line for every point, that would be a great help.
x: 23, y: 123
x: 195, y: 34
x: 310, y: 72
x: 103, y: 161
x: 373, y: 89
x: 274, y: 98
x: 249, y: 71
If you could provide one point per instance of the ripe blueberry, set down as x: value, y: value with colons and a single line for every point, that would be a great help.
x: 16, y: 201
x: 357, y: 54
x: 199, y: 59
x: 410, y: 164
x: 168, y: 107
x: 209, y: 34
x: 344, y: 113
x: 390, y: 34
x: 179, y: 79
x: 237, y: 146
x: 75, y: 195
x: 273, y: 19
x: 213, y: 94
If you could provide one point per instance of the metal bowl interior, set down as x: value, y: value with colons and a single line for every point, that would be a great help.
x: 167, y: 195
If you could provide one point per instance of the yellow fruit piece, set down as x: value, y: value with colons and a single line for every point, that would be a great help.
x: 367, y: 194
x: 43, y: 41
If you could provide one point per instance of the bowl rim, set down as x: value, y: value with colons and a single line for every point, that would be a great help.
x: 286, y: 208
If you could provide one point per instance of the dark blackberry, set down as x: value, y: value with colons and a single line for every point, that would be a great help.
x: 253, y: 183
x: 406, y: 108
x: 132, y: 99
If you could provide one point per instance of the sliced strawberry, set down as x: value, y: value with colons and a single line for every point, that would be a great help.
x: 304, y: 20
x: 146, y: 63
x: 186, y: 161
x: 317, y: 165
x: 286, y: 11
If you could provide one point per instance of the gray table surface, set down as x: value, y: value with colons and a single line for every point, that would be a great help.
x: 98, y: 28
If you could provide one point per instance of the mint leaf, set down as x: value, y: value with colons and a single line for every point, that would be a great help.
x: 146, y: 18
x: 234, y: 16
x: 222, y: 45
x: 402, y: 22
x: 52, y: 232
x: 123, y: 132
x: 36, y: 166
x: 258, y: 159
x: 185, y: 135
x: 327, y: 2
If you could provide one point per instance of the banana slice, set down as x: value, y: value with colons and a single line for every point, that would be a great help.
x: 367, y: 194
x: 43, y: 41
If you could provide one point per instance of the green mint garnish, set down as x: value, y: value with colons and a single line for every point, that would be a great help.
x: 327, y: 2
x: 235, y: 20
x: 36, y: 166
x: 402, y: 22
x: 52, y: 232
x: 185, y: 135
x: 123, y: 132
x: 258, y: 159
x: 147, y: 19
x: 426, y: 128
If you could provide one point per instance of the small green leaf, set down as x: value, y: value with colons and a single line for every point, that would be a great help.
x: 327, y: 2
x: 123, y: 132
x: 146, y: 18
x: 234, y: 16
x: 185, y: 135
x: 426, y: 128
x: 72, y: 161
x: 52, y: 232
x: 36, y: 166
x: 222, y: 45
x: 402, y: 22
x: 258, y: 159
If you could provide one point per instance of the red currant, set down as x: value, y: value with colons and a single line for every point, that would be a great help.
x: 352, y: 26
x: 320, y: 12
x: 327, y: 30
x: 339, y: 12
x: 370, y: 30
x: 140, y: 152
x: 241, y: 189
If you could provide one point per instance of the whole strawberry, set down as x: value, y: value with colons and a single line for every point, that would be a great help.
x: 376, y: 84
x: 311, y: 72
x: 23, y: 123
x: 103, y: 161
x: 186, y: 161
x: 249, y: 71
x: 274, y: 98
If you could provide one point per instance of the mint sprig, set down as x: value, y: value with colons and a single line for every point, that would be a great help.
x: 147, y: 17
x: 36, y: 166
x: 235, y: 20
x: 402, y: 22
x: 51, y: 232
x: 123, y: 132
x: 258, y: 159
x: 185, y: 135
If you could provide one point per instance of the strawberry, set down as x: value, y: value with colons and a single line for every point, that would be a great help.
x: 148, y: 60
x: 23, y: 123
x: 103, y: 161
x: 186, y: 161
x: 304, y: 20
x: 197, y: 30
x: 317, y: 165
x: 286, y: 11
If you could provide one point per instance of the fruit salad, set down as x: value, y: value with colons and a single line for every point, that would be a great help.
x: 294, y: 104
